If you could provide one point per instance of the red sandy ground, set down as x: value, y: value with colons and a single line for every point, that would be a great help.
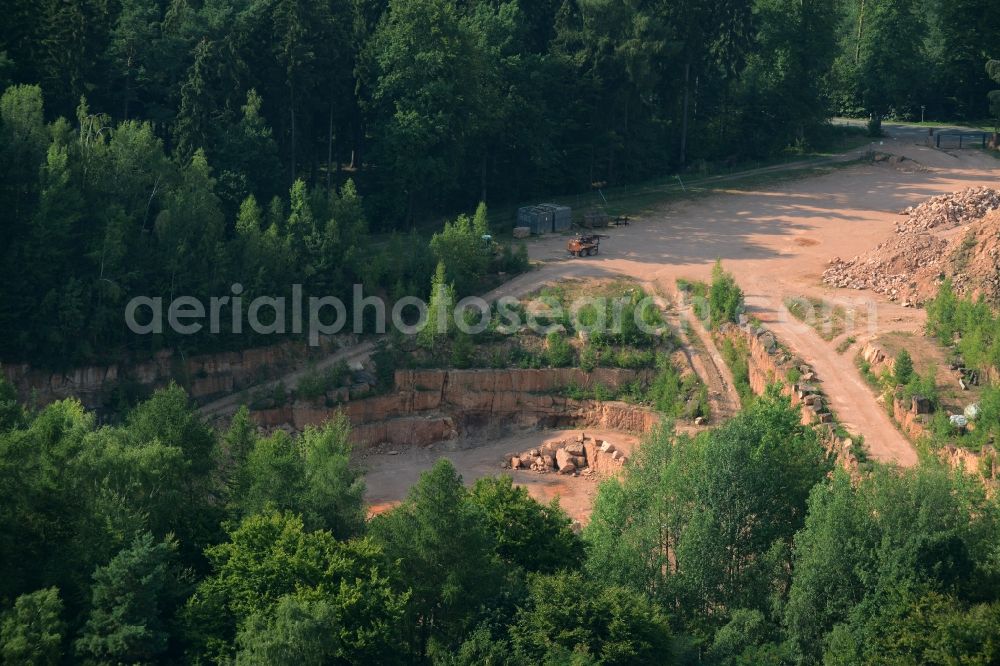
x: 389, y: 477
x: 777, y: 240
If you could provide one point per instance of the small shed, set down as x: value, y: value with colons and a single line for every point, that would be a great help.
x: 562, y: 216
x: 536, y: 218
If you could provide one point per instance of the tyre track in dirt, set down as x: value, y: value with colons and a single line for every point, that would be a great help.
x: 701, y: 353
x: 849, y: 396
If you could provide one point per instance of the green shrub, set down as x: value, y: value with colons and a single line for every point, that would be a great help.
x: 311, y: 386
x: 725, y: 297
x: 597, y: 392
x: 736, y: 357
x: 588, y: 358
x: 666, y: 391
x: 698, y: 404
x: 603, y: 393
x: 903, y: 368
x: 269, y: 397
x: 558, y: 351
x: 498, y: 359
x: 315, y: 383
x: 386, y: 359
x: 514, y: 261
x: 924, y: 386
x: 630, y: 321
x: 941, y: 430
x: 633, y: 392
x: 460, y: 247
x: 462, y: 351
x: 865, y: 368
x: 631, y: 359
x: 526, y: 359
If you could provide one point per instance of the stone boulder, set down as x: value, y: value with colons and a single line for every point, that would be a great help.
x: 564, y: 459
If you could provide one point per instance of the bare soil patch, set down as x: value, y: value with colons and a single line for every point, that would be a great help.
x: 847, y: 210
x: 391, y: 473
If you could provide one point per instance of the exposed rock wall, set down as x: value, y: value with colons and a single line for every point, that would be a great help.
x: 411, y: 431
x: 767, y: 363
x: 914, y: 422
x: 205, y: 376
x: 878, y: 360
x: 434, y: 405
x: 985, y: 464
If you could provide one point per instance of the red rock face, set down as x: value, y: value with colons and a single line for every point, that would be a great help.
x: 205, y: 377
x: 431, y: 405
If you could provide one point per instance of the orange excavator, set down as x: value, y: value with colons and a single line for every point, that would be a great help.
x: 585, y: 244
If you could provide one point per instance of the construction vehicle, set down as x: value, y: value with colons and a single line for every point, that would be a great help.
x: 585, y: 244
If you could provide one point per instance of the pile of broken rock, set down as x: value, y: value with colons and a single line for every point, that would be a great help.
x: 947, y: 211
x: 567, y: 456
x: 908, y: 265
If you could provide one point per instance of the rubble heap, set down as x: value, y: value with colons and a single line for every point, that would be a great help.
x: 576, y: 455
x: 890, y: 267
x: 908, y: 266
x: 948, y: 211
x: 974, y: 259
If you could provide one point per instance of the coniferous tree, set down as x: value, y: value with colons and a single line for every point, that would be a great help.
x: 440, y: 309
x: 126, y: 622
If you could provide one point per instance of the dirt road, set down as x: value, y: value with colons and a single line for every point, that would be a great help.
x: 777, y: 240
x: 849, y: 396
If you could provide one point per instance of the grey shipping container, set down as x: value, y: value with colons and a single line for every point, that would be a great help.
x: 562, y: 216
x: 536, y: 218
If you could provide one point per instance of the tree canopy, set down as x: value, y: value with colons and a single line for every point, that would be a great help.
x: 739, y: 545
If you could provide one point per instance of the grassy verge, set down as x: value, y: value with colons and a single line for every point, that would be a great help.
x: 984, y: 125
x: 737, y: 357
x: 703, y: 178
x: 828, y: 319
x: 845, y: 344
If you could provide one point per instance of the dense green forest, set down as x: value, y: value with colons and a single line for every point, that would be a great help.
x: 166, y: 147
x: 160, y: 540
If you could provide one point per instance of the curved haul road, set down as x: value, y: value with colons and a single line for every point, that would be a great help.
x: 777, y: 239
x: 849, y: 396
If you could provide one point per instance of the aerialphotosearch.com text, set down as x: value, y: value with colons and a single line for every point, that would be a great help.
x: 319, y: 316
